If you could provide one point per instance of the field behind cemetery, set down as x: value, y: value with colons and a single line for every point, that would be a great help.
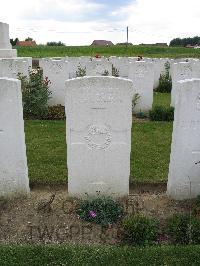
x: 41, y: 51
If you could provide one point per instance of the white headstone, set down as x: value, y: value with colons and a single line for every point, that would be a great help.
x: 184, y: 169
x: 122, y: 64
x: 57, y: 72
x: 77, y: 62
x: 142, y: 75
x: 5, y: 46
x: 99, y: 120
x: 13, y: 162
x: 10, y: 67
x: 180, y: 71
x: 99, y: 67
x: 159, y: 69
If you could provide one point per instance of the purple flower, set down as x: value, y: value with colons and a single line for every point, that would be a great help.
x: 93, y: 214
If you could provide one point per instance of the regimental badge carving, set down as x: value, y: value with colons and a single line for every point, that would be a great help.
x: 198, y: 102
x: 98, y: 137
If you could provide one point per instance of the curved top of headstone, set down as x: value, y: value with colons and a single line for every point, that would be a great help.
x: 96, y: 81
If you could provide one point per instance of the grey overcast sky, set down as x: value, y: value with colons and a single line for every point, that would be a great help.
x: 79, y: 22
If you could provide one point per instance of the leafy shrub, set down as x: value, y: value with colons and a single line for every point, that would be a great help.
x: 13, y: 42
x: 56, y: 112
x: 165, y: 80
x: 140, y: 230
x: 195, y: 230
x: 35, y: 94
x: 161, y: 113
x: 81, y: 72
x: 184, y: 229
x: 100, y: 210
x: 178, y: 228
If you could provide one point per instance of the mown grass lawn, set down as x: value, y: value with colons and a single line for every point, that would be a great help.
x: 151, y: 145
x: 163, y: 99
x: 46, y: 151
x: 85, y: 255
x: 117, y: 50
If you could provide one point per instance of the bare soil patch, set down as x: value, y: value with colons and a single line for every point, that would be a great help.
x: 31, y: 220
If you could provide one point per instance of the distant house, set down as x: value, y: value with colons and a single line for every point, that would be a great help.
x: 26, y: 43
x: 102, y: 43
x: 189, y: 46
x: 196, y: 46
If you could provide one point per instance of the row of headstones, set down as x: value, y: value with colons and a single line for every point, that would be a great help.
x: 141, y: 73
x: 144, y: 74
x: 98, y: 134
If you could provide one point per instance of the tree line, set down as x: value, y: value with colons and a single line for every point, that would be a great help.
x: 185, y: 41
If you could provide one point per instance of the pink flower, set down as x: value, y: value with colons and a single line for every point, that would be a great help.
x: 93, y: 214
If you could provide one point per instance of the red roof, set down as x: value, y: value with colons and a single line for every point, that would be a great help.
x: 102, y: 42
x: 26, y: 43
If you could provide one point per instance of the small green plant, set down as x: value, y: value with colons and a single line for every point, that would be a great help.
x: 178, y: 228
x: 184, y: 229
x: 35, y: 94
x: 105, y: 73
x: 165, y: 80
x: 195, y: 230
x: 81, y: 72
x: 115, y: 72
x: 100, y: 210
x: 140, y: 230
x: 161, y: 113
